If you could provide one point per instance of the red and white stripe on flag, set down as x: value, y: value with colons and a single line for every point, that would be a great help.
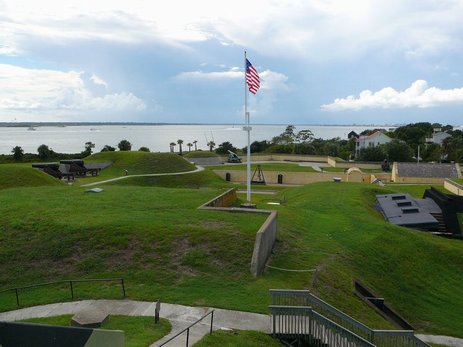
x: 252, y: 78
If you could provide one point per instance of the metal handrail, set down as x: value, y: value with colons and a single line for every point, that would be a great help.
x: 312, y: 299
x: 344, y: 332
x: 317, y: 326
x: 71, y: 282
x: 347, y: 321
x: 187, y: 329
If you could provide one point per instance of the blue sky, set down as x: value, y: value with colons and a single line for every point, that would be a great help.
x: 179, y: 61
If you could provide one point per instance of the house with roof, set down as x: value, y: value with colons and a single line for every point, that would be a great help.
x: 352, y: 134
x: 373, y: 140
x: 438, y: 137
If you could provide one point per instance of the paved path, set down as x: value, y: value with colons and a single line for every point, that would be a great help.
x: 441, y: 340
x: 180, y: 316
x: 198, y: 169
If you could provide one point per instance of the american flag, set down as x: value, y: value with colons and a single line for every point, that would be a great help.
x: 252, y: 78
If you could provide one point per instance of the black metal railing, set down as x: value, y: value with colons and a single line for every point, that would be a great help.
x: 187, y: 329
x: 71, y: 283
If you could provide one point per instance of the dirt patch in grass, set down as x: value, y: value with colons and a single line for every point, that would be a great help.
x: 213, y: 224
x: 125, y: 256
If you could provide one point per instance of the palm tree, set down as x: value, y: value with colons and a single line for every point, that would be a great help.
x: 211, y: 145
x: 195, y: 142
x: 180, y: 146
x: 172, y: 145
x: 18, y: 153
x: 189, y: 144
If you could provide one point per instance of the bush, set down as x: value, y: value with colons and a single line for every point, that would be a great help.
x: 287, y: 149
x: 225, y: 147
x: 108, y: 148
x: 373, y: 154
x: 124, y: 145
x: 44, y: 152
x: 398, y: 150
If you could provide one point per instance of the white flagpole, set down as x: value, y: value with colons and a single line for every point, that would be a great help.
x: 248, y: 129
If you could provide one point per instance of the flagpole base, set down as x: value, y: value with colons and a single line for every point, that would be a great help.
x: 248, y: 205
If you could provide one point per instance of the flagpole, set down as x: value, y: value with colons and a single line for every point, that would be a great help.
x: 248, y: 129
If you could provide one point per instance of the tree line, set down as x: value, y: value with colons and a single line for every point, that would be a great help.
x: 405, y: 143
x: 44, y: 152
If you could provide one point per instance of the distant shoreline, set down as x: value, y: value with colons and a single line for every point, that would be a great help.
x: 61, y: 124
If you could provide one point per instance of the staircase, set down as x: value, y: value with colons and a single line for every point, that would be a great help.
x: 442, y: 228
x: 306, y: 320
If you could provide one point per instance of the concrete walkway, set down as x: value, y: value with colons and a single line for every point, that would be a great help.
x: 441, y: 340
x: 180, y: 316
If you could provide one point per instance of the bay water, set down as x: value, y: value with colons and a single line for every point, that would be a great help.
x: 72, y: 139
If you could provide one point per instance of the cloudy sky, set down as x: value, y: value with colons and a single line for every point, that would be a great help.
x: 181, y: 61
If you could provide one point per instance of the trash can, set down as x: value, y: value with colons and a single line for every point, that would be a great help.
x: 280, y: 179
x: 227, y: 177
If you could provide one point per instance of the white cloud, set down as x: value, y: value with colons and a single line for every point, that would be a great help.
x: 416, y: 28
x: 98, y: 81
x: 233, y: 73
x: 42, y: 91
x: 269, y: 80
x: 419, y: 94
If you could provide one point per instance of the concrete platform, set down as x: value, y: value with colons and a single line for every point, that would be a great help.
x: 91, y: 318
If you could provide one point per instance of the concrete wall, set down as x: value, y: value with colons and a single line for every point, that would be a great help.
x: 331, y: 161
x: 265, y: 236
x: 265, y: 240
x: 383, y: 176
x: 360, y: 165
x: 226, y: 199
x: 295, y: 178
x: 310, y: 158
x: 453, y: 187
x: 356, y: 176
x: 418, y: 180
x: 284, y: 157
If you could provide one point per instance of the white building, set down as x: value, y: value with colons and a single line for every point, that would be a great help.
x: 373, y: 140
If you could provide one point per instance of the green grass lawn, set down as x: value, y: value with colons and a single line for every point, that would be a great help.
x: 237, y: 338
x: 338, y: 231
x: 200, y: 154
x: 24, y: 175
x: 153, y: 237
x: 136, y: 163
x: 165, y: 248
x: 265, y: 167
x: 201, y: 179
x: 139, y: 331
